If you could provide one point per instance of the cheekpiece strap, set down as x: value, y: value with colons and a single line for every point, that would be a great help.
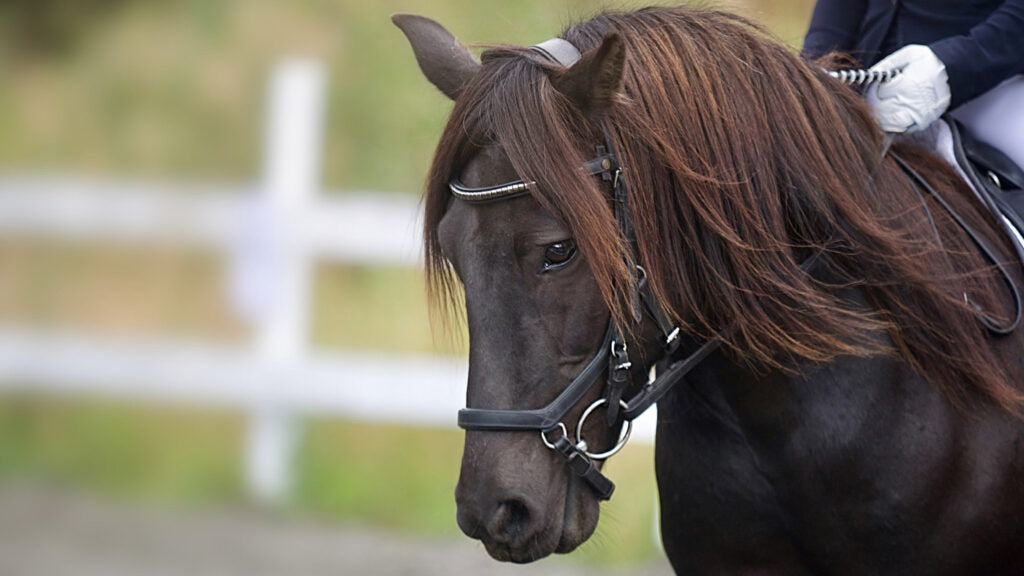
x: 558, y: 51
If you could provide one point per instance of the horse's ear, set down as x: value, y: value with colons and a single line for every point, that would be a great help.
x: 595, y: 80
x: 443, y: 59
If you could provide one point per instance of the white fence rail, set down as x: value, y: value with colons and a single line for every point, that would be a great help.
x: 354, y: 228
x: 273, y: 232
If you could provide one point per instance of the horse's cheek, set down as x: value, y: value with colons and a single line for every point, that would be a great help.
x: 573, y: 314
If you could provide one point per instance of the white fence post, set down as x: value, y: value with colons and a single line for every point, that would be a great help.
x: 295, y: 117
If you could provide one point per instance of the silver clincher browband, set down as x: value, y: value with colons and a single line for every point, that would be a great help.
x: 603, y: 163
x: 512, y: 189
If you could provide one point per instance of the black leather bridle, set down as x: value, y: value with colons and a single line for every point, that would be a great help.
x: 611, y: 360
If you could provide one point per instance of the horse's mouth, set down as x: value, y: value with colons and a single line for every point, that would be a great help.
x: 503, y: 553
x: 562, y: 535
x: 538, y: 546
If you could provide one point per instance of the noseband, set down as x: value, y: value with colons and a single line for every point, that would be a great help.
x: 611, y: 360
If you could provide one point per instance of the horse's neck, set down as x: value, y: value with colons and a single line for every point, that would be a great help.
x: 754, y: 396
x: 771, y: 406
x: 784, y: 460
x: 785, y: 464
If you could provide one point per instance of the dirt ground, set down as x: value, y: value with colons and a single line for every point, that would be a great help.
x: 50, y: 532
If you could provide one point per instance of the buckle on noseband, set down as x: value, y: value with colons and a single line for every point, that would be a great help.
x: 581, y: 445
x: 580, y: 459
x: 565, y: 434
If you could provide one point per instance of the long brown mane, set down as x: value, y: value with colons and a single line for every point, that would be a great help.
x: 741, y: 160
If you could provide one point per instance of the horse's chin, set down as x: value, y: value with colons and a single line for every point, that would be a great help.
x: 579, y: 518
x: 564, y: 533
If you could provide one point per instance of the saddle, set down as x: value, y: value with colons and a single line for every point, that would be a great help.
x: 995, y: 178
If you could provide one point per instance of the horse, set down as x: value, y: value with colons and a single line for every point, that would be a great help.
x: 667, y: 205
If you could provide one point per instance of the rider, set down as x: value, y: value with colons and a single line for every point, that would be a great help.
x: 963, y: 57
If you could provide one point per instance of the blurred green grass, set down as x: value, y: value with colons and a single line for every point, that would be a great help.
x: 175, y: 90
x: 387, y: 476
x: 130, y: 452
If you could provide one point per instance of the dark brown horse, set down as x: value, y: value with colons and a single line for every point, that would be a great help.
x: 855, y: 414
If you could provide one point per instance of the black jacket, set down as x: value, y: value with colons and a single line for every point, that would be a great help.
x: 981, y: 42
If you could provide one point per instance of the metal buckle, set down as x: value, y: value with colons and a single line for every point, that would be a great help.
x: 623, y: 434
x: 581, y: 444
x: 621, y: 355
x: 544, y: 437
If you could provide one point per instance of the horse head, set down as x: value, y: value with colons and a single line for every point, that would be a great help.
x: 537, y: 318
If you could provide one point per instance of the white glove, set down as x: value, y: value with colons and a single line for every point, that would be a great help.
x: 917, y: 97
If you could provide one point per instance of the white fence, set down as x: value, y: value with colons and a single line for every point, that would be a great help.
x: 272, y: 232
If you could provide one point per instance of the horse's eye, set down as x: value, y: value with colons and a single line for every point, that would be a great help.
x: 559, y: 254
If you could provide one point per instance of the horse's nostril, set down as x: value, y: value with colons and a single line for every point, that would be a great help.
x: 510, y: 521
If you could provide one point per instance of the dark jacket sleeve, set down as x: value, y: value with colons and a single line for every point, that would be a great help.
x: 990, y: 53
x: 834, y: 26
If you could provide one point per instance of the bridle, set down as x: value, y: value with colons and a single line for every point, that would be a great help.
x: 612, y: 358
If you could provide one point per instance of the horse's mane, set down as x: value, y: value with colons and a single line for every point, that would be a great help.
x: 741, y: 161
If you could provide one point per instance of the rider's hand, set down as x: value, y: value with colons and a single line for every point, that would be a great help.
x: 918, y: 96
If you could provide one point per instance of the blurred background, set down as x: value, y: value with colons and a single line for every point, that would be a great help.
x: 215, y: 350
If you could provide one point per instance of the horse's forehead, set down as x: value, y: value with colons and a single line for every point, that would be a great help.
x: 488, y: 167
x: 481, y: 227
x: 477, y: 224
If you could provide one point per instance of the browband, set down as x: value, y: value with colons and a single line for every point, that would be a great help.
x: 603, y: 163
